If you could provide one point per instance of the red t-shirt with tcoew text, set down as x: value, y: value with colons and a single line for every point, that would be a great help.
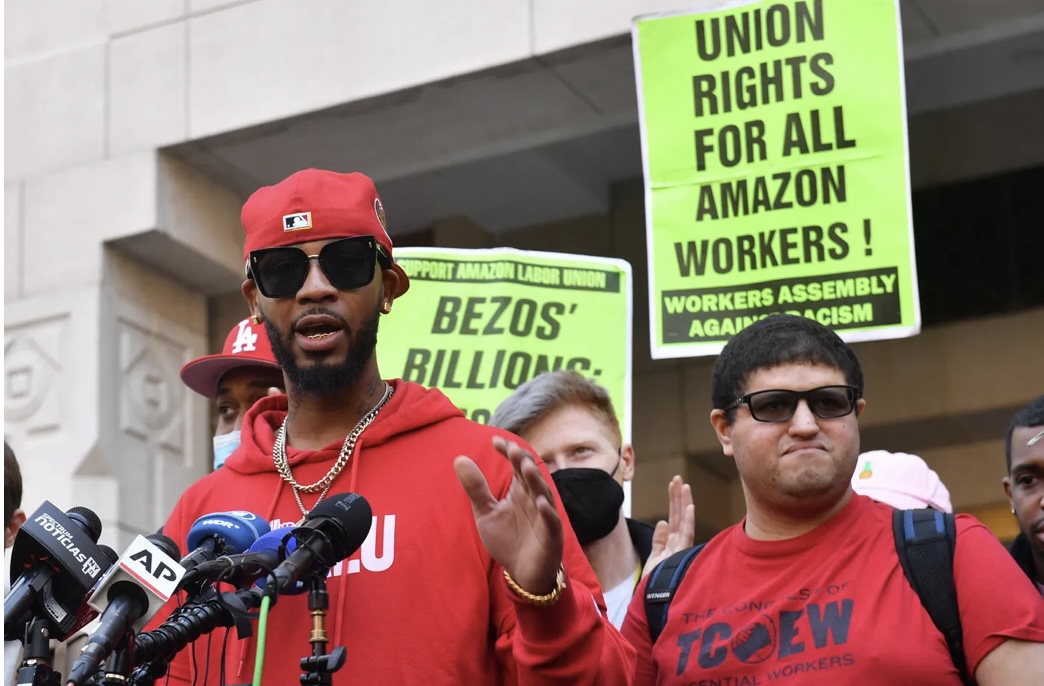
x: 832, y: 606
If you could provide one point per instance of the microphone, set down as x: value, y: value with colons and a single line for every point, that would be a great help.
x: 87, y: 614
x: 222, y: 533
x: 216, y: 534
x: 332, y: 531
x: 136, y: 587
x: 272, y: 542
x: 210, y: 609
x: 55, y: 561
x: 245, y: 568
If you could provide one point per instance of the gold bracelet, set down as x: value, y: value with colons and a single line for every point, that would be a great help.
x: 539, y: 600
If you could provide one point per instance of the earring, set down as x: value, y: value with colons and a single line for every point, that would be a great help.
x: 254, y: 318
x: 386, y: 308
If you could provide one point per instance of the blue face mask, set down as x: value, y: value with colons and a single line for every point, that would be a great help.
x: 224, y: 446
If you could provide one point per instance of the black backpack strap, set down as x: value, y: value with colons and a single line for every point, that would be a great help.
x: 663, y: 582
x: 925, y: 540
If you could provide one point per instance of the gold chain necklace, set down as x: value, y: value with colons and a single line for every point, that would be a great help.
x: 282, y: 462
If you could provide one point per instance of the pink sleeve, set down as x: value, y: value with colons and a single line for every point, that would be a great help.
x: 997, y: 600
x: 636, y: 630
x: 571, y: 642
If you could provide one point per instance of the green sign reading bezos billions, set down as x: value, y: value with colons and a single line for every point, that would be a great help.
x: 485, y: 321
x: 774, y: 151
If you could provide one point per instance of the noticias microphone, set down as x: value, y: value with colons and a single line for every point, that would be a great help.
x: 136, y: 587
x: 332, y: 531
x: 55, y: 561
x: 219, y: 533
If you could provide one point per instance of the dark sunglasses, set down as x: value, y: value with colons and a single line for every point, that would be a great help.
x: 348, y: 263
x: 779, y: 405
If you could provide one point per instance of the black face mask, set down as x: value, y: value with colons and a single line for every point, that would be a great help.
x: 592, y: 500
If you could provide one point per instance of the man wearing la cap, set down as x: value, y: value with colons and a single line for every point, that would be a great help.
x: 901, y: 480
x: 484, y: 584
x: 241, y: 374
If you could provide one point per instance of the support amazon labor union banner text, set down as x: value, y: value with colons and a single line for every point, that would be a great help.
x: 776, y: 177
x: 476, y: 324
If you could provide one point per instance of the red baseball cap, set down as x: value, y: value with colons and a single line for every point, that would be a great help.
x: 314, y: 205
x: 247, y: 345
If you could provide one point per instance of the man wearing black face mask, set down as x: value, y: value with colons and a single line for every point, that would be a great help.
x: 570, y: 422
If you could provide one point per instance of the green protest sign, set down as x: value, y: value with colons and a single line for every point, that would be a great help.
x: 476, y: 324
x: 776, y: 179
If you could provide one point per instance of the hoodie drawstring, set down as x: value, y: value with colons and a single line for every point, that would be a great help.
x: 343, y: 582
x: 246, y: 644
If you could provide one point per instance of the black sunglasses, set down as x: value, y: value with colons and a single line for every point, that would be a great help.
x: 348, y: 263
x: 779, y: 405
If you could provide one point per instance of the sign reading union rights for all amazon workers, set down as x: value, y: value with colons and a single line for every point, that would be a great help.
x: 775, y: 160
x: 476, y: 324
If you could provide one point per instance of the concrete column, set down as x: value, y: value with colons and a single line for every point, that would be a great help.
x: 97, y: 325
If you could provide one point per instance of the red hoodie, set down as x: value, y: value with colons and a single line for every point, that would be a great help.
x: 421, y: 601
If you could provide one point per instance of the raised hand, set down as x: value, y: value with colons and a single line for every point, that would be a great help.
x: 522, y: 532
x: 678, y: 532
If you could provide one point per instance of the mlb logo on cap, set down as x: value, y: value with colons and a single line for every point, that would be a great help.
x: 297, y: 222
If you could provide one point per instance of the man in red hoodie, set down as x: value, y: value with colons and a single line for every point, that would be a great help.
x: 484, y: 584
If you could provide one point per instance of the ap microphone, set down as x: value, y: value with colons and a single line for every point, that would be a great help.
x: 136, y: 587
x: 332, y: 531
x: 222, y: 533
x: 55, y: 561
x: 207, y: 611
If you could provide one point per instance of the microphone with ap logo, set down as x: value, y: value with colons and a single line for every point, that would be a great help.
x: 134, y: 589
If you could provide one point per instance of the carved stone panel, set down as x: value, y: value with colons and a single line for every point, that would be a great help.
x: 33, y: 365
x: 152, y: 395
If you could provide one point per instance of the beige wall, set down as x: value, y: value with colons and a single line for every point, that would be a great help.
x: 104, y: 78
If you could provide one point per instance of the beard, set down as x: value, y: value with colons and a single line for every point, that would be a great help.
x: 325, y: 378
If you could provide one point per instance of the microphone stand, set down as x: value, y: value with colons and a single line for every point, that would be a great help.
x: 117, y: 665
x: 36, y: 664
x: 154, y: 649
x: 320, y: 665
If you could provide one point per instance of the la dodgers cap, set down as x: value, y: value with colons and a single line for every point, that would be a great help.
x: 247, y: 345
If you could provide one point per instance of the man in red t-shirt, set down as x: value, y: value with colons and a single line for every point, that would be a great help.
x: 808, y: 587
